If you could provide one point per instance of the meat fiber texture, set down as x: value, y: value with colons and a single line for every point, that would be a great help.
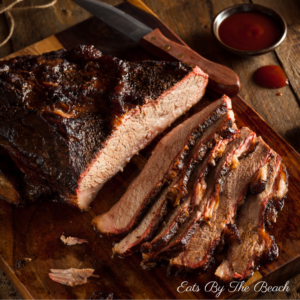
x: 179, y: 214
x: 217, y: 174
x: 71, y: 276
x: 254, y: 245
x: 189, y: 215
x: 164, y: 203
x: 199, y: 253
x: 203, y: 190
x: 70, y: 120
x: 125, y: 214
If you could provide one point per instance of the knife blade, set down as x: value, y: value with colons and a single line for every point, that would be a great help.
x: 115, y: 18
x: 221, y: 79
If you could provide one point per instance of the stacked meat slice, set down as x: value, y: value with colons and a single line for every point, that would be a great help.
x: 255, y: 244
x: 200, y: 250
x: 166, y: 162
x: 186, y: 199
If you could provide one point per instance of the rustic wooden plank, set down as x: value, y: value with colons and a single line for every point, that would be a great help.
x: 49, y: 44
x: 7, y: 290
x: 45, y: 22
x: 288, y: 54
x: 294, y: 292
x: 289, y: 51
x: 142, y: 6
x: 4, y: 30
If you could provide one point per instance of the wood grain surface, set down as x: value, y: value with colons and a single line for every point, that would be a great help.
x: 191, y: 21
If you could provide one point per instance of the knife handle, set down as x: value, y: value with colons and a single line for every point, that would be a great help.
x: 221, y: 79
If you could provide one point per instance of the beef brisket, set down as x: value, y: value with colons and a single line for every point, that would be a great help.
x: 164, y: 164
x: 10, y: 182
x: 277, y: 202
x: 178, y: 216
x: 199, y: 253
x: 218, y: 142
x: 163, y: 204
x: 255, y: 243
x: 145, y: 230
x: 242, y: 144
x: 73, y: 119
x: 19, y: 188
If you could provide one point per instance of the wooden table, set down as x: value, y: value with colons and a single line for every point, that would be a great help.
x: 191, y: 20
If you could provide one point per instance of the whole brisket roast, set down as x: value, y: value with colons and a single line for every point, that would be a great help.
x: 70, y: 120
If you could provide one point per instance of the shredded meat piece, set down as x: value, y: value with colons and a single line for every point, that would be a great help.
x: 70, y: 241
x: 71, y: 276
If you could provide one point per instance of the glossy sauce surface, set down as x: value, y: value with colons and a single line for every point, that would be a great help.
x: 249, y: 31
x: 272, y: 77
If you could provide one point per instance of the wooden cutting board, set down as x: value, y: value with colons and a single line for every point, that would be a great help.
x: 34, y: 232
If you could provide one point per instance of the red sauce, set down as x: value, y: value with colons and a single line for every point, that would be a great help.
x: 272, y: 77
x: 249, y: 31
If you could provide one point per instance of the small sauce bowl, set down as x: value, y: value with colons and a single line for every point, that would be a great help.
x: 248, y: 8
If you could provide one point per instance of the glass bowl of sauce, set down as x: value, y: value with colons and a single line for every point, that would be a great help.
x: 249, y: 29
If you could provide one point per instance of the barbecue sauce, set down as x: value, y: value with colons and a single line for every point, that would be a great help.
x: 272, y: 77
x: 249, y: 31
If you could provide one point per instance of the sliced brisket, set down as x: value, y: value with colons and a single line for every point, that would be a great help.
x: 163, y: 204
x: 179, y: 214
x: 166, y: 162
x: 255, y: 244
x: 242, y: 144
x: 199, y: 253
x: 277, y: 201
x: 73, y: 119
x: 145, y: 230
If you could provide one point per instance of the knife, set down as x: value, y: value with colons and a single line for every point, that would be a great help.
x: 221, y: 79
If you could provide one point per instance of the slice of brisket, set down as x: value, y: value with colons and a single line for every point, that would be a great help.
x: 163, y: 204
x: 179, y: 214
x: 255, y: 244
x: 242, y: 144
x: 277, y: 202
x: 199, y: 253
x: 145, y: 230
x: 74, y: 118
x: 166, y: 162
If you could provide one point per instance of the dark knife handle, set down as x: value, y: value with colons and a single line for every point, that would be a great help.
x: 221, y: 79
